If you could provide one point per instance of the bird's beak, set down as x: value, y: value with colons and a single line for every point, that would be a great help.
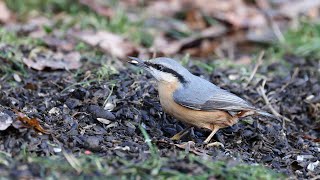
x: 137, y: 62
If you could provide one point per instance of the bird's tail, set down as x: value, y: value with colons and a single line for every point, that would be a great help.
x: 256, y: 112
x: 263, y: 113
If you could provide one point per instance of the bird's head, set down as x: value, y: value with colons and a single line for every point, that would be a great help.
x: 163, y: 69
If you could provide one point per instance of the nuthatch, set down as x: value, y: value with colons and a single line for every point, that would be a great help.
x: 193, y: 100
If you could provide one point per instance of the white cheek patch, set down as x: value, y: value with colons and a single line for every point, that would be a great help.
x: 168, y: 77
x: 163, y: 76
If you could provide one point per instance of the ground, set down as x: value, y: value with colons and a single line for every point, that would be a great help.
x: 100, y: 116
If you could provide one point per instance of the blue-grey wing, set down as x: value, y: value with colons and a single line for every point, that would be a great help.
x: 206, y: 96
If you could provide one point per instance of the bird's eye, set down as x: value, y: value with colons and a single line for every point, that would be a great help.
x: 159, y: 67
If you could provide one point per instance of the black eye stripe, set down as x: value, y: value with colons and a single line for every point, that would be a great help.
x: 159, y: 67
x: 156, y: 66
x: 167, y: 70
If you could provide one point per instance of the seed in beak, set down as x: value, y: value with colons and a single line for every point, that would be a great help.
x: 134, y: 62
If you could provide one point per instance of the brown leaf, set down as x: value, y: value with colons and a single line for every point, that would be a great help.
x: 195, y: 20
x: 311, y: 138
x: 164, y: 7
x: 31, y: 86
x: 40, y: 59
x: 294, y: 8
x: 261, y: 35
x: 168, y: 48
x: 109, y: 42
x: 191, y: 147
x: 233, y: 12
x: 57, y: 43
x: 30, y: 122
x: 5, y: 14
x: 204, y: 49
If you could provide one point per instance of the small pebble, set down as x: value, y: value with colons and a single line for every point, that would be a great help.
x: 99, y: 112
x: 5, y: 121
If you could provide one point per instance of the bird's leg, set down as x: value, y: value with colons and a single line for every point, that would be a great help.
x: 214, y: 130
x: 182, y: 133
x: 192, y: 135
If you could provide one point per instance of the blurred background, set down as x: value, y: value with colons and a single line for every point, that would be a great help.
x: 224, y: 29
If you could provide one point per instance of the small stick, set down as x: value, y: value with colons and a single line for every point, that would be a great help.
x: 275, y: 27
x: 277, y: 31
x: 265, y: 98
x: 74, y: 162
x: 256, y: 67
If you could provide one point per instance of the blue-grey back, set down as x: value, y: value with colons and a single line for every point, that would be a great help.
x: 201, y: 94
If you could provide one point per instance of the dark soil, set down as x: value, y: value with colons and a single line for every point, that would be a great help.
x: 70, y: 113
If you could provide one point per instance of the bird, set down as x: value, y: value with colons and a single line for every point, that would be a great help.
x: 194, y: 100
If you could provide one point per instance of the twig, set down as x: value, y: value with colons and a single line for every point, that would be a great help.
x: 110, y: 93
x: 294, y: 75
x: 256, y: 67
x: 74, y: 163
x: 274, y: 25
x: 262, y: 91
x: 277, y: 31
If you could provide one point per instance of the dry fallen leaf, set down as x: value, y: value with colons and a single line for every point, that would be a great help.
x: 31, y: 122
x: 40, y: 59
x: 109, y: 42
x: 195, y: 19
x: 164, y: 7
x: 295, y: 8
x: 261, y: 35
x: 31, y: 86
x: 204, y: 48
x: 166, y: 47
x: 191, y: 147
x: 314, y: 139
x: 5, y: 14
x: 234, y: 12
x: 57, y: 43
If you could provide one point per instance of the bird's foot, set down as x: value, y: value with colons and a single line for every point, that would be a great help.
x: 179, y: 135
x: 213, y: 132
